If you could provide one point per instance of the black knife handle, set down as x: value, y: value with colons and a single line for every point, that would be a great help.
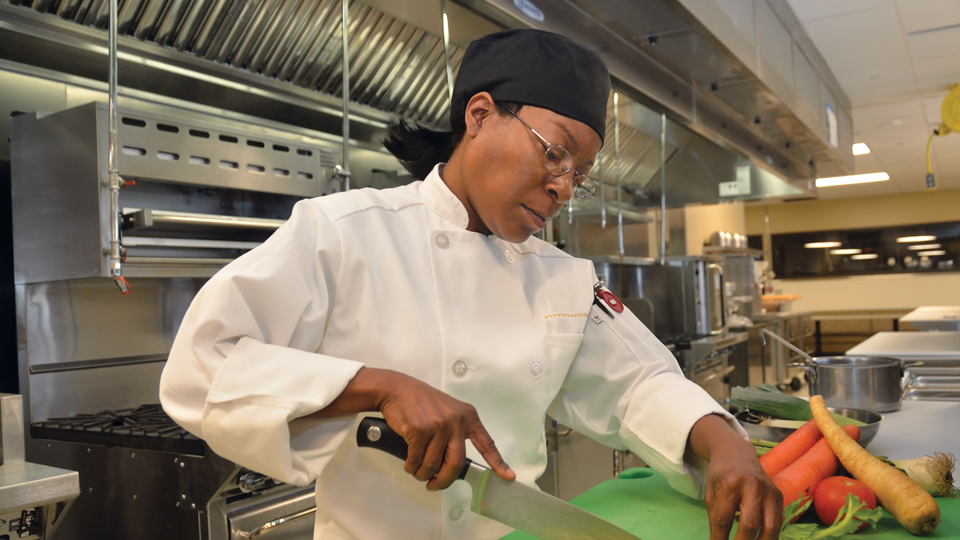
x: 375, y: 433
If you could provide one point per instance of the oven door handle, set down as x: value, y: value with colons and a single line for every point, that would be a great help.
x: 271, y: 525
x: 725, y: 371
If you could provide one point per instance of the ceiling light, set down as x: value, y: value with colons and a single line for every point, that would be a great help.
x: 909, y: 239
x: 860, y: 149
x: 932, y: 253
x: 852, y: 251
x: 923, y: 246
x: 864, y: 256
x: 815, y: 245
x: 853, y: 179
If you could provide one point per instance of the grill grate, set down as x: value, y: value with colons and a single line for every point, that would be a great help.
x: 394, y: 66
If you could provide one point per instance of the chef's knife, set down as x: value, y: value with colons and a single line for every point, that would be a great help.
x: 511, y: 503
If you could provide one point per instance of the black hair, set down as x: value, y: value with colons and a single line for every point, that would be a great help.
x: 419, y: 147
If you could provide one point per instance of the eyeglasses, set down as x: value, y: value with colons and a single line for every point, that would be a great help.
x: 559, y: 162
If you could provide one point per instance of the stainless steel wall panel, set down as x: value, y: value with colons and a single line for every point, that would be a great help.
x: 48, y: 193
x: 84, y: 320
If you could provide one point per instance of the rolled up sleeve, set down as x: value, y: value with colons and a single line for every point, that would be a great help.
x: 244, y: 372
x: 626, y: 390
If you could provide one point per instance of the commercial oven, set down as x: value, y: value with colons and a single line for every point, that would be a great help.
x: 198, y: 191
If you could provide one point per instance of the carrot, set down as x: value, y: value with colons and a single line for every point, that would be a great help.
x: 903, y: 498
x: 790, y: 450
x: 802, y: 477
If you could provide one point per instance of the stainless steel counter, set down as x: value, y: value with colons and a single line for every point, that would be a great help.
x: 919, y: 428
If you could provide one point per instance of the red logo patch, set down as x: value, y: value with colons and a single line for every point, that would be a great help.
x: 611, y: 300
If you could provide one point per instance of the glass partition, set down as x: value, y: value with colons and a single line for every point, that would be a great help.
x: 889, y: 250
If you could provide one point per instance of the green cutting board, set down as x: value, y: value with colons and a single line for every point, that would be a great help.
x: 642, y: 502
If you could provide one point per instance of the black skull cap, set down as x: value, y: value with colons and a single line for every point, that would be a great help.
x: 537, y: 68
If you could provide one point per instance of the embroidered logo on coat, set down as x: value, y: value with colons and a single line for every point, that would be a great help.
x: 572, y: 315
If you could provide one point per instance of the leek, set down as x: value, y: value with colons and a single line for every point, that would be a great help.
x: 767, y: 399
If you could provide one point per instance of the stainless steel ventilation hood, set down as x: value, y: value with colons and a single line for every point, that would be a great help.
x: 279, y: 59
x: 759, y: 87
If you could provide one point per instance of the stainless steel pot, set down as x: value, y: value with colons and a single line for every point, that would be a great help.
x: 870, y: 383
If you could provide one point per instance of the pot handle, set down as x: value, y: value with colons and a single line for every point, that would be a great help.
x: 904, y: 365
x: 811, y: 370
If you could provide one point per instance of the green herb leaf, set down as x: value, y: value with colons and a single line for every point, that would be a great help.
x: 849, y: 519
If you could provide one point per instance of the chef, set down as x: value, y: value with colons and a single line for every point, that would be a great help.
x: 433, y: 305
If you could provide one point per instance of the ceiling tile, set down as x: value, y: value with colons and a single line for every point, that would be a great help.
x: 937, y: 73
x: 876, y: 52
x: 932, y: 106
x: 867, y: 163
x: 928, y: 14
x: 882, y: 93
x: 881, y: 75
x: 884, y: 111
x: 807, y: 10
x: 943, y: 44
x: 854, y: 28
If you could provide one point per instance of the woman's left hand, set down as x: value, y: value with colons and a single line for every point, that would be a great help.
x: 736, y: 481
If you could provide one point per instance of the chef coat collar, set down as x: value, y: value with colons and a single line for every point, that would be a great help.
x: 442, y: 201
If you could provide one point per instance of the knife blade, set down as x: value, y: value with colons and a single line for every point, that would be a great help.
x: 512, y: 503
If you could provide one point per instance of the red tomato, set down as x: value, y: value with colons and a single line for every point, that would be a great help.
x: 831, y: 495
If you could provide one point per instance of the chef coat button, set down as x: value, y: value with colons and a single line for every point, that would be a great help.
x: 456, y: 513
x: 508, y: 255
x: 460, y: 369
x: 536, y: 369
x: 443, y: 241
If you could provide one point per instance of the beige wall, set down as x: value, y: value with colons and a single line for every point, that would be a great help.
x: 703, y: 220
x: 897, y: 291
x: 860, y: 213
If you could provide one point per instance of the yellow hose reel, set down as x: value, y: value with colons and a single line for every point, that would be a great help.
x: 949, y: 121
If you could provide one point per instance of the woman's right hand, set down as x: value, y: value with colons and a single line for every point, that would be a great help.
x: 434, y: 425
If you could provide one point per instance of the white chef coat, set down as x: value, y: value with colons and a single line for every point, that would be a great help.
x: 392, y: 279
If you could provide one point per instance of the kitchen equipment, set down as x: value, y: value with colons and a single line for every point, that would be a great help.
x: 871, y: 383
x: 511, y: 503
x: 33, y: 498
x: 705, y: 361
x: 200, y: 190
x: 686, y: 293
x: 750, y: 421
x: 739, y: 270
x: 642, y: 502
x: 934, y: 381
x: 764, y: 331
x: 934, y: 318
x: 926, y: 346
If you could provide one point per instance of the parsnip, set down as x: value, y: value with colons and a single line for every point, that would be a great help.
x: 903, y: 498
